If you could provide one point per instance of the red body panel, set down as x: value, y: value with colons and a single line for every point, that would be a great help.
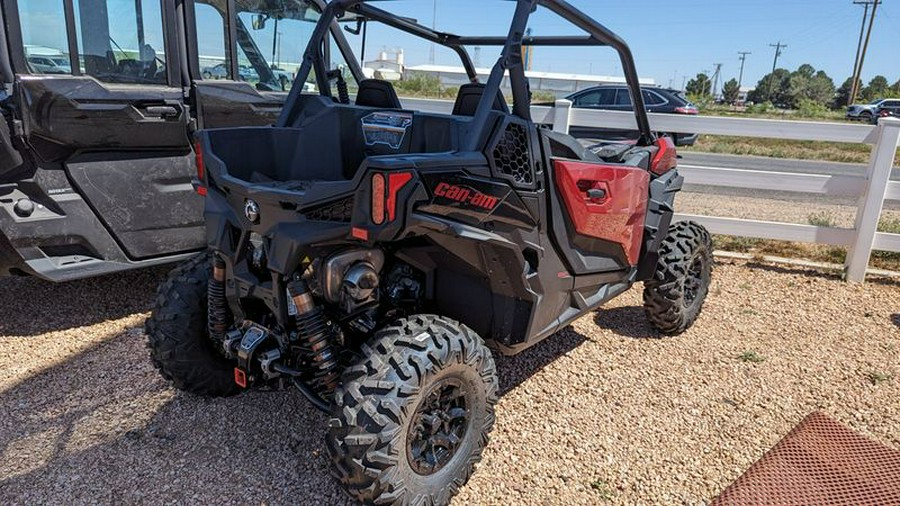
x: 619, y: 217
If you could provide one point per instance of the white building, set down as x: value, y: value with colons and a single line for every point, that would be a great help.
x: 560, y: 84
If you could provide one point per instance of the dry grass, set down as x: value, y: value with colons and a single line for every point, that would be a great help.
x: 779, y: 148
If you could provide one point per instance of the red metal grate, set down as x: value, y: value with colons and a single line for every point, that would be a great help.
x: 819, y: 462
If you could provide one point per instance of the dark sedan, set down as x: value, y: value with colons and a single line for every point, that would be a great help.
x: 616, y: 98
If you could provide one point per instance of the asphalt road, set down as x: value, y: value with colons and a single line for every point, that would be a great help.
x: 777, y: 165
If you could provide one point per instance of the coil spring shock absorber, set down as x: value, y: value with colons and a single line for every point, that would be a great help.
x: 217, y: 309
x: 316, y: 334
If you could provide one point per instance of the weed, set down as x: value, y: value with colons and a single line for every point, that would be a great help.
x: 889, y: 225
x: 822, y: 219
x: 603, y: 490
x: 752, y: 357
x: 878, y: 377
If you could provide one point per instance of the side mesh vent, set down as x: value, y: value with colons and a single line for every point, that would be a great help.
x: 340, y: 211
x: 511, y: 154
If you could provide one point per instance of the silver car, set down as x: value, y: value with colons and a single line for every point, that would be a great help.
x: 871, y: 111
x: 50, y: 64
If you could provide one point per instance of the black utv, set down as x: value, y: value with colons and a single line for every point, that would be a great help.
x: 99, y: 102
x: 375, y: 257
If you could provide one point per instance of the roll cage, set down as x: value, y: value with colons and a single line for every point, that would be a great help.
x: 511, y: 58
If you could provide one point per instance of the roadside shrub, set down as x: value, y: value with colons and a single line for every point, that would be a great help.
x: 420, y: 84
x: 761, y: 108
x: 542, y: 96
x: 811, y: 109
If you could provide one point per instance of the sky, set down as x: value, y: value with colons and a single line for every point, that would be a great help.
x: 674, y: 39
x: 670, y: 40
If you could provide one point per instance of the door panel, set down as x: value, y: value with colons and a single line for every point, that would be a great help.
x: 82, y: 113
x: 112, y: 116
x: 605, y: 202
x: 145, y: 199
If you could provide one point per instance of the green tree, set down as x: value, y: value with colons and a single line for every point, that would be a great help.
x: 731, y: 91
x: 877, y: 88
x: 699, y: 86
x: 842, y: 95
x: 895, y: 89
x: 774, y: 87
x: 808, y: 85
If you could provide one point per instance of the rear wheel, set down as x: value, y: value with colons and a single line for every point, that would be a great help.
x: 178, y: 335
x: 674, y: 297
x: 413, y: 416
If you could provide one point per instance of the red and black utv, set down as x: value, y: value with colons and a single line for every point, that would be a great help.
x: 373, y: 256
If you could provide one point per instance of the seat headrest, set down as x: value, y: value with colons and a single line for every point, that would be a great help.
x: 377, y: 93
x: 470, y: 95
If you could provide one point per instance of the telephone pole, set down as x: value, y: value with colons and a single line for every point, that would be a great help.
x: 433, y: 26
x: 778, y: 47
x: 743, y: 58
x: 716, y: 76
x: 857, y: 74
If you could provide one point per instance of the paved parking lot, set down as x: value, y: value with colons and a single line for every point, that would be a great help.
x: 604, y: 412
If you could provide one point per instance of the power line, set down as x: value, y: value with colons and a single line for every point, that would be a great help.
x: 743, y: 58
x: 857, y: 76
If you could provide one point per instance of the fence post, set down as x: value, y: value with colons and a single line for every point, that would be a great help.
x: 562, y: 116
x: 871, y: 201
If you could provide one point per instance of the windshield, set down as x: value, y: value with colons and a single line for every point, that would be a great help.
x: 876, y: 102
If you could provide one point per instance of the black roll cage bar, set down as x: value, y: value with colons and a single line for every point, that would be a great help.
x: 511, y: 58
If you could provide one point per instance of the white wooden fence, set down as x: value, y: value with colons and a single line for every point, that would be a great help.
x: 872, y: 188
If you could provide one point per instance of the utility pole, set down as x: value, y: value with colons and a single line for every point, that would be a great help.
x: 715, y: 81
x: 862, y: 57
x: 743, y: 58
x: 778, y: 47
x: 684, y: 84
x: 433, y: 26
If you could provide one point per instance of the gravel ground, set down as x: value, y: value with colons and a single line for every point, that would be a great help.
x: 769, y: 209
x: 603, y: 413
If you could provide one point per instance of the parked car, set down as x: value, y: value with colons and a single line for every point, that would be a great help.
x: 616, y: 97
x: 873, y: 110
x: 50, y: 64
x: 220, y: 71
x: 96, y: 166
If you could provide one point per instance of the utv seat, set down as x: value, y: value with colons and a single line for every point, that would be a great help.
x: 377, y: 93
x: 566, y: 146
x: 470, y: 95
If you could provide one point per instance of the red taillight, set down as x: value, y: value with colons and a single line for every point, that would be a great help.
x: 378, y: 197
x: 666, y: 158
x: 686, y: 110
x: 396, y: 182
x: 385, y: 188
x: 198, y: 152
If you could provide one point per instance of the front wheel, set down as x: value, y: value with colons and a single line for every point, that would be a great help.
x: 413, y: 416
x: 674, y: 297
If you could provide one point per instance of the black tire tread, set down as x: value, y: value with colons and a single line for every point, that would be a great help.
x: 664, y: 293
x: 379, y: 394
x: 177, y: 335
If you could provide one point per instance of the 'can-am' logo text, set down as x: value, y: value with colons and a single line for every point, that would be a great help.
x: 466, y: 196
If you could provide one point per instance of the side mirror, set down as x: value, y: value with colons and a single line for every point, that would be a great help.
x: 259, y: 21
